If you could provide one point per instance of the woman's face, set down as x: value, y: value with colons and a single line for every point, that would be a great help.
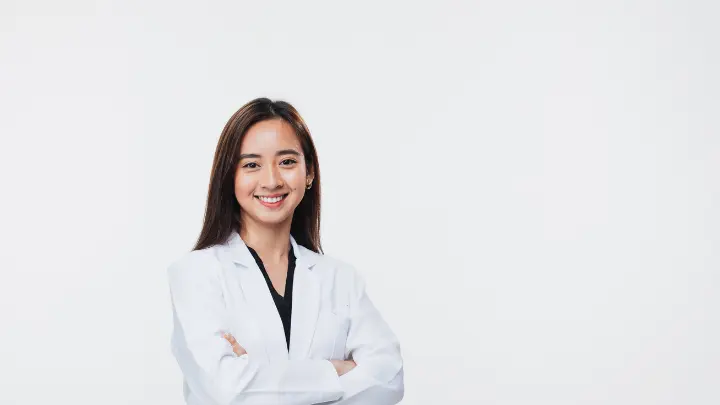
x: 271, y: 175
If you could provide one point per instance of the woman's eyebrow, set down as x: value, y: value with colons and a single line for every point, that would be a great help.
x: 287, y: 152
x: 278, y: 153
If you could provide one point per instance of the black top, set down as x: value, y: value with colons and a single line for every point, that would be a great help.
x: 282, y: 302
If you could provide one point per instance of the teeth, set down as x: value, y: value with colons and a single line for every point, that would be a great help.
x: 271, y: 200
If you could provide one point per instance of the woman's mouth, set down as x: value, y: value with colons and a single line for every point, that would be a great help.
x: 271, y: 202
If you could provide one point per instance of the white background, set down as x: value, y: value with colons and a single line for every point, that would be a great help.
x: 531, y: 188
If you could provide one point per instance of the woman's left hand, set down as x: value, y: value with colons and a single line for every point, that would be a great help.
x: 237, y: 349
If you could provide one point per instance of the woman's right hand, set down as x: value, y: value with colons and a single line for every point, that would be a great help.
x: 343, y: 366
x: 237, y: 349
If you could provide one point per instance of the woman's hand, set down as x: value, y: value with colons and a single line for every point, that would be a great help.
x: 237, y: 349
x: 343, y: 366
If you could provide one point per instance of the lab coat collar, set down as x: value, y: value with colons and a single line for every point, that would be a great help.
x: 306, y: 302
x: 240, y: 254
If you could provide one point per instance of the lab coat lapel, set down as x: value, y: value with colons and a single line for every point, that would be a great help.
x: 258, y: 297
x: 306, y: 302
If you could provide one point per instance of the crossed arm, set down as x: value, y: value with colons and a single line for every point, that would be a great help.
x: 341, y: 366
x: 220, y: 375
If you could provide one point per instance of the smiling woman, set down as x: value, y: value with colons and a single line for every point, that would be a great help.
x: 255, y: 146
x: 261, y: 315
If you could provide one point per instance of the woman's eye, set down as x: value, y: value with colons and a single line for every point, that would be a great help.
x: 288, y: 161
x: 250, y: 165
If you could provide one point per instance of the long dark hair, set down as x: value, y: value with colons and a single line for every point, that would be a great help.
x: 222, y: 211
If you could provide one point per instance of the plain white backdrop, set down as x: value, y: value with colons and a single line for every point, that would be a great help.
x: 537, y: 184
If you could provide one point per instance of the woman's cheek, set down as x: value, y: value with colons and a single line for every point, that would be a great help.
x: 292, y: 179
x: 244, y: 189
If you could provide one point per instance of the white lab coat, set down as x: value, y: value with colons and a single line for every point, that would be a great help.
x: 221, y: 289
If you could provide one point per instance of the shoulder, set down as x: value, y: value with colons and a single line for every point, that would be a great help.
x: 195, y: 264
x: 341, y: 271
x: 323, y: 261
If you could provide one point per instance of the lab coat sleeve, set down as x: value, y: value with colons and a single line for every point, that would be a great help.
x: 209, y: 366
x: 378, y: 378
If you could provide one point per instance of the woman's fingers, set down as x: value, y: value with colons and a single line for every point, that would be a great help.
x: 237, y: 349
x: 230, y: 338
x: 343, y: 366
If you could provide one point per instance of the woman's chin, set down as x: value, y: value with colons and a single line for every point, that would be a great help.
x: 271, y: 218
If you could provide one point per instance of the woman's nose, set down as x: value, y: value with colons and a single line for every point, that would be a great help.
x: 271, y: 177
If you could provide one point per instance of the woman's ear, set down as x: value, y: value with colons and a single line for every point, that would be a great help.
x: 309, y: 177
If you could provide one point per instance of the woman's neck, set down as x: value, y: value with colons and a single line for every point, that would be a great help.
x: 271, y: 243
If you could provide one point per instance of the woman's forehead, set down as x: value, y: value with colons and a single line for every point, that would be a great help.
x: 268, y: 137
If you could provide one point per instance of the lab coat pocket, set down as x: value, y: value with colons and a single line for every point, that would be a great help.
x: 331, y: 334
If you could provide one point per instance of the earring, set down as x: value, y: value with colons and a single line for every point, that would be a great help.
x: 309, y: 185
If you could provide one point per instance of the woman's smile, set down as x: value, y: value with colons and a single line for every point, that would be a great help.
x: 273, y: 201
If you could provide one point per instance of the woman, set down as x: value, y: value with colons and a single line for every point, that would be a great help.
x: 260, y: 315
